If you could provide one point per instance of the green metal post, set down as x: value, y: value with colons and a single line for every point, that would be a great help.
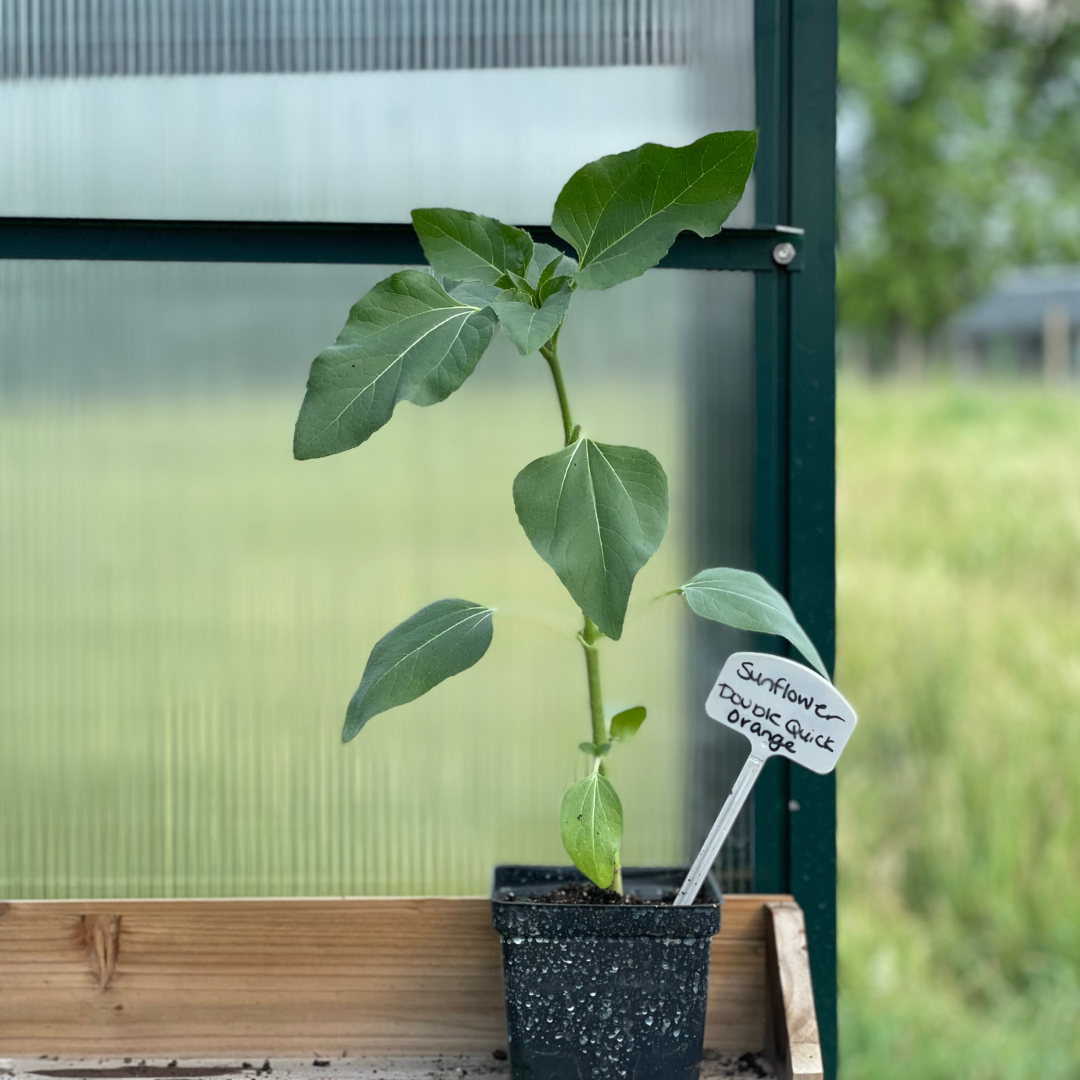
x: 795, y: 810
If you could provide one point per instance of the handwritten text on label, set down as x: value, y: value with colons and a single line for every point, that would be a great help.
x: 782, y: 708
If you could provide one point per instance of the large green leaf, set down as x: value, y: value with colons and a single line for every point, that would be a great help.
x: 529, y: 327
x: 747, y: 601
x: 595, y: 513
x: 406, y: 340
x: 471, y: 247
x: 591, y: 822
x: 438, y: 641
x: 623, y: 212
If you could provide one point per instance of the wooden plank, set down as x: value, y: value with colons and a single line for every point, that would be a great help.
x: 296, y: 978
x: 442, y: 1067
x: 792, y: 1040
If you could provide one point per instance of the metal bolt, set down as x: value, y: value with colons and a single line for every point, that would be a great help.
x: 783, y: 253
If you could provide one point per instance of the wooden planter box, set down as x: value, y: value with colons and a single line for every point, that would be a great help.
x: 332, y: 979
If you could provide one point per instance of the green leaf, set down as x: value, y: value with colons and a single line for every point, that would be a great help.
x: 516, y: 281
x: 552, y: 286
x: 440, y: 640
x: 591, y: 821
x: 529, y: 327
x: 406, y: 340
x: 595, y: 513
x: 747, y: 601
x: 471, y: 247
x: 473, y: 292
x: 549, y: 262
x: 623, y: 212
x: 592, y: 748
x: 625, y: 724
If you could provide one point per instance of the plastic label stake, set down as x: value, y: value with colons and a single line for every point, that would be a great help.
x: 782, y: 708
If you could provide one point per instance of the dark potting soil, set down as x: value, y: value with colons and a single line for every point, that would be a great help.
x: 579, y: 892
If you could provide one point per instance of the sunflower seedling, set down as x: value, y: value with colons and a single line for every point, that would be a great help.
x: 593, y: 511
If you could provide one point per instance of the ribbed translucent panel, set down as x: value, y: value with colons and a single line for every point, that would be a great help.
x: 186, y: 610
x: 722, y: 460
x: 353, y: 141
x: 65, y: 38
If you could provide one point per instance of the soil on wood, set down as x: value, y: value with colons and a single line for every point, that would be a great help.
x: 586, y: 892
x: 140, y: 1072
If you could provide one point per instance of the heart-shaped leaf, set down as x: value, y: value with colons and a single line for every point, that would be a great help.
x: 623, y: 212
x: 747, y: 601
x: 407, y: 339
x: 591, y: 822
x: 529, y: 327
x: 625, y: 724
x: 471, y: 247
x: 440, y: 640
x: 595, y: 513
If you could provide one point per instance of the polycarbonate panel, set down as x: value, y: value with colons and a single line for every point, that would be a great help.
x: 186, y: 609
x: 56, y: 38
x: 723, y: 459
x: 495, y: 121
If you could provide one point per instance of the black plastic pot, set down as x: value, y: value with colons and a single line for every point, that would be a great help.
x: 603, y: 992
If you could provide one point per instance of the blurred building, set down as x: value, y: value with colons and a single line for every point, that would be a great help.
x: 1029, y: 322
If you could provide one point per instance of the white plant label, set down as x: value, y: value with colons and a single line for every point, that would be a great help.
x: 783, y: 708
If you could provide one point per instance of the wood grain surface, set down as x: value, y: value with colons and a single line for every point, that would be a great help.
x: 300, y: 978
x: 792, y: 1041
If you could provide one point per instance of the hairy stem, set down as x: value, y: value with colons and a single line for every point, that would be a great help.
x: 550, y: 352
x: 588, y: 637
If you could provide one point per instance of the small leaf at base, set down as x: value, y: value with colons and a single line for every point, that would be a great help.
x: 591, y: 821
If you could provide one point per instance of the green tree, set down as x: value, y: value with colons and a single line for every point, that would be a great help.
x: 959, y: 152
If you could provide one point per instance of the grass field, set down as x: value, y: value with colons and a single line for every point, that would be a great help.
x: 959, y: 643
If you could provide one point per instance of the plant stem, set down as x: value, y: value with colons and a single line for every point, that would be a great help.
x: 550, y: 352
x: 588, y: 637
x: 590, y: 634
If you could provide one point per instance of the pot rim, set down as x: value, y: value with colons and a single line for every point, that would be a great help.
x: 551, y: 876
